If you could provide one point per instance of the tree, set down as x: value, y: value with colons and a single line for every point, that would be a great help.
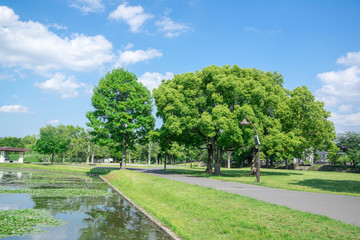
x: 11, y: 142
x: 122, y: 110
x: 206, y: 107
x: 50, y: 142
x: 349, y: 144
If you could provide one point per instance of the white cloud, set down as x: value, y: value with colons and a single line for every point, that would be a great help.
x: 87, y: 6
x: 54, y: 122
x: 31, y: 45
x: 171, y: 28
x: 66, y: 87
x: 340, y: 86
x: 341, y: 92
x: 153, y: 80
x: 8, y: 77
x: 14, y: 109
x: 134, y: 16
x: 131, y: 57
x: 345, y: 108
x: 252, y: 29
x: 347, y: 120
x: 351, y: 59
x: 58, y: 26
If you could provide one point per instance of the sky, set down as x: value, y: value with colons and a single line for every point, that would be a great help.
x: 52, y: 53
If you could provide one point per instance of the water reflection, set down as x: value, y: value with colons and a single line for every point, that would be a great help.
x: 109, y: 217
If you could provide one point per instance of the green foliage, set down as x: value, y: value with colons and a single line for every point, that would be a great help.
x: 349, y: 144
x: 206, y: 108
x: 11, y: 142
x: 20, y: 222
x: 122, y: 110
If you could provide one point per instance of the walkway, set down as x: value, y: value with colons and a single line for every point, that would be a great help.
x: 340, y: 207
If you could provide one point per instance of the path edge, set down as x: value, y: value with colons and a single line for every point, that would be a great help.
x: 167, y: 231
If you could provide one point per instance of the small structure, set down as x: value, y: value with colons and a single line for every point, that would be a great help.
x: 4, y: 154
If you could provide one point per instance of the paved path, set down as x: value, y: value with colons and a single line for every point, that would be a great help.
x: 340, y: 207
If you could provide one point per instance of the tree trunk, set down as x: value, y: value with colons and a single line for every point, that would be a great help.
x: 228, y: 160
x: 52, y: 158
x: 190, y: 162
x: 164, y: 161
x: 63, y: 157
x: 123, y: 163
x: 218, y: 159
x: 129, y: 157
x: 92, y: 157
x: 157, y: 159
x: 209, y: 168
x: 88, y: 154
x: 70, y: 158
x: 76, y: 160
x: 56, y: 156
x: 149, y: 157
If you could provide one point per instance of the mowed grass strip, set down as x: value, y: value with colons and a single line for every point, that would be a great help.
x: 308, y: 181
x: 85, y: 169
x: 195, y: 212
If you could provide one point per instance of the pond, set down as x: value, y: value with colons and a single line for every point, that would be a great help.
x: 84, y: 217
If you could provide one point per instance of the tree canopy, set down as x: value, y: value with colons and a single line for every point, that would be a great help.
x: 122, y: 110
x: 206, y: 108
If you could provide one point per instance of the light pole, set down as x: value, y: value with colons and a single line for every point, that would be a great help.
x: 257, y: 142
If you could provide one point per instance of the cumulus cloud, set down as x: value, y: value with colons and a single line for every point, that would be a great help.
x: 67, y: 87
x: 351, y: 59
x: 31, y: 45
x: 170, y: 28
x: 87, y: 6
x: 14, y: 109
x: 340, y: 92
x: 134, y: 16
x: 54, y: 122
x: 133, y: 56
x: 153, y: 80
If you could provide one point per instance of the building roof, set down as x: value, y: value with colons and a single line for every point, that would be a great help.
x: 11, y: 149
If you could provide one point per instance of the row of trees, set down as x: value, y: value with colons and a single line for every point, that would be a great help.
x: 203, y: 110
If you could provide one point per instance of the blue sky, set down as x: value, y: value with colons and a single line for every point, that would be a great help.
x: 52, y: 53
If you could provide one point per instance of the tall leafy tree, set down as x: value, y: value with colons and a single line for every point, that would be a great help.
x: 122, y: 110
x: 206, y: 108
x: 349, y: 144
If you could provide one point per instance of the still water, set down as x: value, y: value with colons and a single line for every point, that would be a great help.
x: 109, y: 217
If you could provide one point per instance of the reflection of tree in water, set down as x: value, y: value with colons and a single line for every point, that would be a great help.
x: 117, y: 219
x: 66, y: 204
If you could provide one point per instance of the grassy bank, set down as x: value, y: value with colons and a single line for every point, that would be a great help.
x: 85, y: 169
x: 309, y: 181
x: 195, y: 212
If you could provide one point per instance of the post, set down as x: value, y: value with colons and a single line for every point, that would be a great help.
x: 257, y: 142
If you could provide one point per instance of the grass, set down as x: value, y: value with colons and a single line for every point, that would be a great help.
x: 84, y: 169
x: 309, y: 181
x: 195, y: 212
x: 25, y: 221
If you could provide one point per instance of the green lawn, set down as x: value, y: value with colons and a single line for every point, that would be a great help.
x: 309, y: 181
x: 195, y: 212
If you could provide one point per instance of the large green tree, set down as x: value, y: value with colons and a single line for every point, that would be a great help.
x: 206, y: 108
x: 122, y: 110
